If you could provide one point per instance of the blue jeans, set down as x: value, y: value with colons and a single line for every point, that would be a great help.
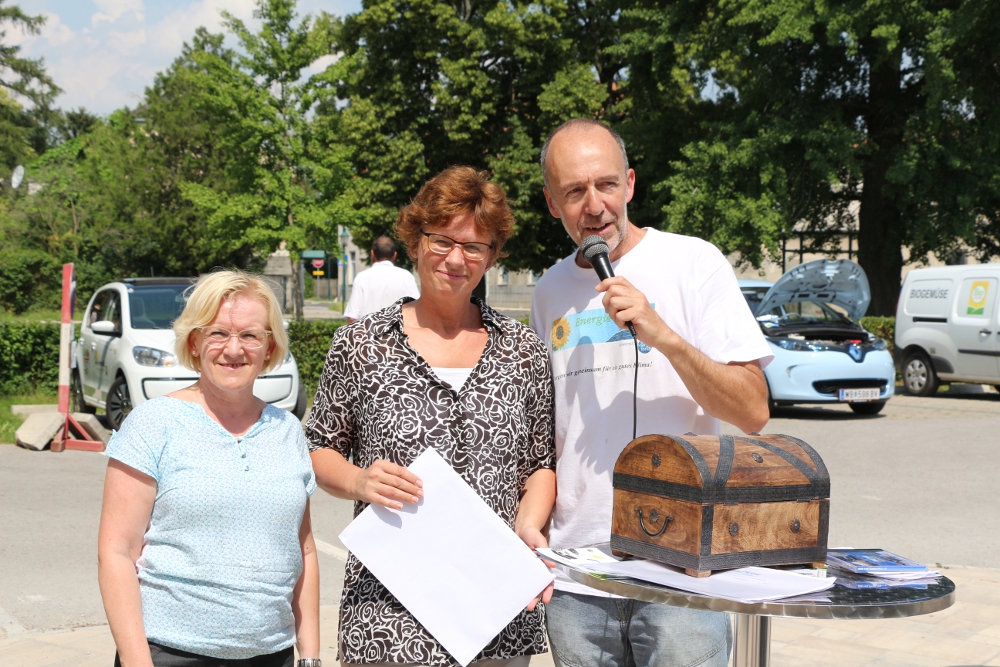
x: 590, y: 631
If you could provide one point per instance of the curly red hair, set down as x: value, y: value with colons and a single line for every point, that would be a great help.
x: 457, y: 191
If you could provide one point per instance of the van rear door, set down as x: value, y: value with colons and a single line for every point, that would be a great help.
x: 973, y: 327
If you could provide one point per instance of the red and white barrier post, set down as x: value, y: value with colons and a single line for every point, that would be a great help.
x: 71, y: 435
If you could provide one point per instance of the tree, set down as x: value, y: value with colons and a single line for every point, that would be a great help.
x: 22, y: 80
x: 821, y: 105
x: 430, y: 84
x: 263, y: 105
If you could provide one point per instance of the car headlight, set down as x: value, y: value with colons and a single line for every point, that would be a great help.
x: 878, y: 343
x: 794, y: 344
x: 149, y: 356
x: 288, y: 357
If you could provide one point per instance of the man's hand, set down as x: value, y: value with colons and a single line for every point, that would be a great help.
x: 387, y: 484
x: 535, y: 540
x: 734, y: 392
x: 624, y: 303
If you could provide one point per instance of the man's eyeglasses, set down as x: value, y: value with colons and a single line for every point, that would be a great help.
x: 442, y: 245
x: 249, y: 339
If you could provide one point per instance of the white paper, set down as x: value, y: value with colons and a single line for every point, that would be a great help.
x: 450, y: 560
x: 747, y: 584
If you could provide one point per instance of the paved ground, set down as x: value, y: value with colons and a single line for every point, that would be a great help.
x: 916, y: 479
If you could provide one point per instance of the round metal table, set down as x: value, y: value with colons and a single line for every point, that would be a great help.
x: 752, y: 641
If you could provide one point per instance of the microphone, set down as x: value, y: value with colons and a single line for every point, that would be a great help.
x: 595, y: 251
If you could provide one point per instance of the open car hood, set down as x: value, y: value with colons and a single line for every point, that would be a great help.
x: 840, y: 282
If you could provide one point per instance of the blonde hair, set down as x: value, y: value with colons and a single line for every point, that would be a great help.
x: 210, y: 292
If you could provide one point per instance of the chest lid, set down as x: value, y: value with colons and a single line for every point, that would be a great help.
x: 711, y: 469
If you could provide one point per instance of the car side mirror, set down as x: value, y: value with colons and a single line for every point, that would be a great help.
x: 104, y: 327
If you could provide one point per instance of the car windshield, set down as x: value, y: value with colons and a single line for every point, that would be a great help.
x: 805, y: 312
x: 754, y: 295
x: 156, y: 306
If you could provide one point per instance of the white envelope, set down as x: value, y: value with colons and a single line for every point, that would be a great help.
x: 449, y: 559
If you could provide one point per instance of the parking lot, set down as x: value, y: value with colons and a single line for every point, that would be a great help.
x: 918, y: 479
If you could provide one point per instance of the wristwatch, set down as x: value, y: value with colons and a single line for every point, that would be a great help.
x: 310, y: 662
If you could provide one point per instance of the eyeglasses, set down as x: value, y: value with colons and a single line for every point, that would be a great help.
x: 249, y: 339
x: 442, y: 245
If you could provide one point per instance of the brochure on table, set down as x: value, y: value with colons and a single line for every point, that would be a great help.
x: 748, y: 584
x: 450, y: 560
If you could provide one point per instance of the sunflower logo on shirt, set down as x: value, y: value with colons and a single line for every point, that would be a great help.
x: 560, y: 333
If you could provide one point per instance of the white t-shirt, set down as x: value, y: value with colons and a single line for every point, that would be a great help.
x: 693, y: 288
x: 453, y: 377
x: 381, y: 285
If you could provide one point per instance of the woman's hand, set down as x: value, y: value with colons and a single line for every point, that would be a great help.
x: 535, y: 540
x: 387, y: 484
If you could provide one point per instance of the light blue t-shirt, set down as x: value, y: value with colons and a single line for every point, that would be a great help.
x: 221, y: 556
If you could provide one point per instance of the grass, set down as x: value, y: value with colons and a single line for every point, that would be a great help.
x: 32, y: 316
x: 10, y: 422
x: 337, y: 305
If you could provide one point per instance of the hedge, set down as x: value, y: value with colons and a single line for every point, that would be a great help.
x: 29, y: 351
x: 29, y: 356
x: 883, y: 327
x: 310, y: 341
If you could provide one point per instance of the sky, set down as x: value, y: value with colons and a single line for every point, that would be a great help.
x: 104, y: 53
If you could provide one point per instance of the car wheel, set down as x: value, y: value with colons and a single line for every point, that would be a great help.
x: 919, y: 378
x: 76, y: 402
x: 872, y: 408
x: 119, y: 403
x: 300, y: 404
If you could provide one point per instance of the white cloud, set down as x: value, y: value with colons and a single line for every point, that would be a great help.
x: 109, y: 63
x: 112, y: 10
x: 55, y: 32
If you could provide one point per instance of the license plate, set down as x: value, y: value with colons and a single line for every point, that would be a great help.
x: 871, y: 394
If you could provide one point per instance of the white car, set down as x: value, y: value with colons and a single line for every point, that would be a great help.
x: 948, y: 327
x: 124, y: 355
x: 821, y: 353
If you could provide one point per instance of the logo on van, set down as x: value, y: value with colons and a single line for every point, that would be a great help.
x: 977, y: 297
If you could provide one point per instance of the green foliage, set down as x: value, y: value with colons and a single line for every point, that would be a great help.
x: 819, y: 106
x: 29, y: 357
x: 280, y: 185
x: 882, y: 326
x: 430, y: 84
x: 26, y: 280
x: 310, y: 342
x: 22, y: 129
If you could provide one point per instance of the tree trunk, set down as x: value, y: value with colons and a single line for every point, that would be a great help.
x: 297, y: 300
x: 880, y: 232
x: 879, y: 243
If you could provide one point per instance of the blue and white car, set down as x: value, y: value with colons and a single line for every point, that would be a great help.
x: 821, y: 352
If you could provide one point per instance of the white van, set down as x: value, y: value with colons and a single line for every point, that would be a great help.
x: 947, y: 328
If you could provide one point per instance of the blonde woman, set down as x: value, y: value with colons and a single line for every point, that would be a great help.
x: 205, y: 548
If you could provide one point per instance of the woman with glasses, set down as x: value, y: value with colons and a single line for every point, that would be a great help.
x: 448, y: 372
x: 205, y: 548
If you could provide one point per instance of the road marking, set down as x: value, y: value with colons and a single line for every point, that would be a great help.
x: 10, y: 624
x: 325, y: 547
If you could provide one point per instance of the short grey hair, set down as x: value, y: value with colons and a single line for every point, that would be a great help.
x: 580, y: 122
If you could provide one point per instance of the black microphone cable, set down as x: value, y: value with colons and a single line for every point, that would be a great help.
x: 595, y: 250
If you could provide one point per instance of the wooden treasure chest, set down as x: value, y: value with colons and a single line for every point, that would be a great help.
x: 709, y: 502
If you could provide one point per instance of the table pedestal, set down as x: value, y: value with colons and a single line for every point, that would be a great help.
x: 752, y: 641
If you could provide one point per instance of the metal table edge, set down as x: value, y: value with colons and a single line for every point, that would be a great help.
x: 649, y: 592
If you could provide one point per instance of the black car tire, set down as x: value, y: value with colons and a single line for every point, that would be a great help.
x: 872, y: 408
x: 300, y: 404
x: 119, y: 403
x: 76, y: 402
x: 919, y: 378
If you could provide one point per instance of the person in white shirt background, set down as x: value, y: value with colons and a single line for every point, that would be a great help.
x: 381, y: 285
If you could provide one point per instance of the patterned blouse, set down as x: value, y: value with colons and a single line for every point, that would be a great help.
x: 379, y: 399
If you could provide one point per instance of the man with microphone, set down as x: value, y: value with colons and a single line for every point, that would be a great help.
x: 701, y: 355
